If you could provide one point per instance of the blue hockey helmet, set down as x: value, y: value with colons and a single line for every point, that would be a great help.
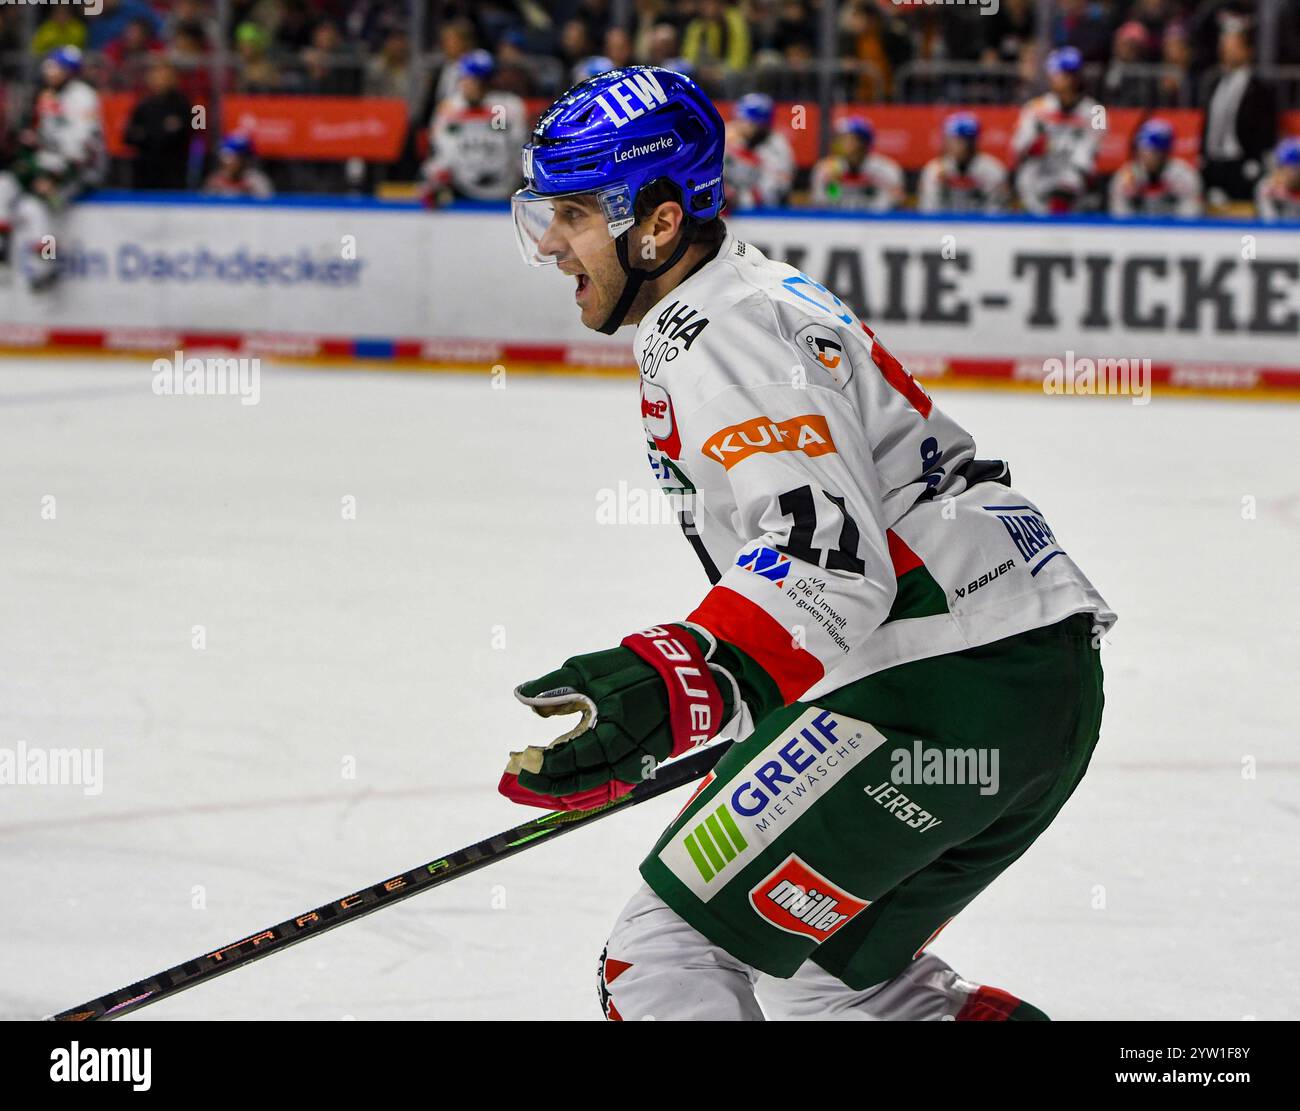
x: 859, y: 126
x: 962, y: 125
x: 67, y: 58
x: 1066, y: 60
x: 610, y: 137
x: 755, y: 108
x: 1288, y: 152
x: 477, y: 63
x: 238, y: 143
x: 1157, y: 135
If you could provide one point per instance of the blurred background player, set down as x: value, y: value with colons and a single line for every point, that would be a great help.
x: 1278, y: 195
x: 759, y: 160
x: 854, y: 177
x: 963, y: 178
x: 60, y: 155
x: 1154, y: 182
x: 1056, y: 140
x: 237, y: 174
x: 474, y: 139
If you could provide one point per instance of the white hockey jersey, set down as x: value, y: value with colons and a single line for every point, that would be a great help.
x: 1276, y: 201
x: 70, y: 132
x: 1061, y: 137
x: 475, y: 147
x: 1174, y: 191
x: 948, y: 186
x: 1056, y: 148
x: 874, y: 185
x: 758, y: 176
x: 842, y: 518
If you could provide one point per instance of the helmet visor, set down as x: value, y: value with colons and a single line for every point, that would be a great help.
x: 551, y: 228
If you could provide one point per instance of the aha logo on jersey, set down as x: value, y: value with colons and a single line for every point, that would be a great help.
x: 657, y: 417
x: 731, y: 445
x: 798, y: 900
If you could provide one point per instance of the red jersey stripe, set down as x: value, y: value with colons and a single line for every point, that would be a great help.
x: 732, y: 617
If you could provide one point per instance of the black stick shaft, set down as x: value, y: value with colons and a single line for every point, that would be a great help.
x: 274, y: 939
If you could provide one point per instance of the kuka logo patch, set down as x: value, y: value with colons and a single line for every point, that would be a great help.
x: 762, y: 435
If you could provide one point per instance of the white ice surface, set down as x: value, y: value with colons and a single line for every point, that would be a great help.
x: 373, y: 640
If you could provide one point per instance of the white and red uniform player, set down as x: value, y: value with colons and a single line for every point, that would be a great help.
x: 854, y: 177
x: 1056, y: 139
x: 851, y: 539
x: 1155, y: 183
x: 474, y: 138
x: 715, y: 360
x: 963, y: 178
x: 237, y: 174
x: 1277, y: 197
x: 61, y: 154
x: 759, y: 161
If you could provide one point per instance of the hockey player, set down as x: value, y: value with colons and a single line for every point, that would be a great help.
x: 1155, y: 183
x: 854, y: 177
x: 759, y: 159
x: 474, y: 138
x: 237, y: 174
x: 60, y: 155
x: 1056, y: 140
x: 963, y: 178
x: 1277, y: 197
x: 886, y: 610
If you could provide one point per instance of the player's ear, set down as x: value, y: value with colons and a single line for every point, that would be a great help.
x: 666, y: 222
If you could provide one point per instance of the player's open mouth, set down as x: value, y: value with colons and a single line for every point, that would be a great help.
x: 583, y: 283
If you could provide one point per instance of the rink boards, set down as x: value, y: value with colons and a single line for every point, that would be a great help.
x: 1198, y: 306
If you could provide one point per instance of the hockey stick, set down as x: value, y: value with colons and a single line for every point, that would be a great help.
x: 667, y: 777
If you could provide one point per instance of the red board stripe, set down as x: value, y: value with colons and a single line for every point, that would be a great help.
x: 68, y: 338
x: 228, y: 341
x: 1205, y: 377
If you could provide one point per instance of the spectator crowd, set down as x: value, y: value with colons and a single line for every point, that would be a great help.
x: 476, y: 65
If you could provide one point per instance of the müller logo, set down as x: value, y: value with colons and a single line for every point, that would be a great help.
x: 797, y: 900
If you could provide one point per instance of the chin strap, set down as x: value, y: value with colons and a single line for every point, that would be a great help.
x: 636, y: 277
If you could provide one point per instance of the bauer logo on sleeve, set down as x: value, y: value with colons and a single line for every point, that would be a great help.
x: 797, y: 900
